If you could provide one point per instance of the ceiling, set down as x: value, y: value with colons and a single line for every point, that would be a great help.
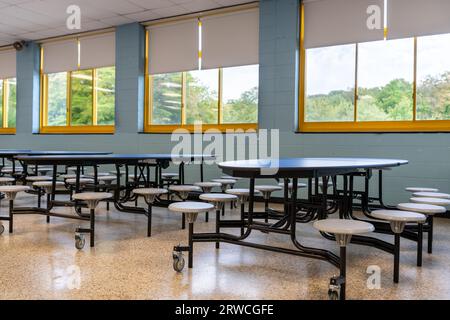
x: 40, y: 19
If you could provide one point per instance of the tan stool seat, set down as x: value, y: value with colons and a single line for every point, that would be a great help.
x: 207, y: 184
x: 239, y: 192
x: 191, y: 207
x: 291, y: 185
x: 169, y: 175
x: 427, y: 209
x: 398, y: 215
x: 11, y: 191
x: 343, y: 226
x: 107, y: 178
x: 47, y: 184
x: 432, y: 195
x: 218, y: 197
x: 183, y: 188
x: 265, y: 188
x: 149, y: 191
x: 231, y: 178
x: 419, y: 189
x: 92, y: 198
x: 39, y: 178
x: 225, y: 181
x: 10, y: 170
x: 82, y: 181
x: 70, y: 176
x: 44, y: 169
x: 6, y: 180
x: 433, y: 201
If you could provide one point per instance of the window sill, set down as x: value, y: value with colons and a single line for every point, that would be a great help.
x: 7, y: 131
x: 376, y: 126
x: 211, y: 128
x: 77, y: 130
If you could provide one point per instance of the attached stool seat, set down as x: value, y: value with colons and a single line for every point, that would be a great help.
x: 419, y: 189
x: 44, y: 170
x: 70, y: 176
x: 91, y: 199
x: 39, y: 178
x: 190, y: 210
x: 267, y: 190
x: 9, y: 170
x: 300, y: 185
x: 218, y: 199
x: 207, y: 186
x: 343, y: 231
x: 231, y: 178
x: 398, y: 219
x: 149, y: 195
x: 11, y: 194
x: 183, y: 190
x: 6, y: 180
x: 432, y: 201
x: 431, y: 195
x: 169, y: 175
x: 429, y: 210
x: 47, y: 186
x: 226, y: 183
x: 107, y: 179
x: 83, y: 181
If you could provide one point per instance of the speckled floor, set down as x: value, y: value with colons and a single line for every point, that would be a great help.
x: 39, y: 261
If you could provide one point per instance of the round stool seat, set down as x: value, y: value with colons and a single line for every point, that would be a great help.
x: 183, y: 188
x: 433, y: 201
x: 398, y: 215
x: 419, y: 189
x: 207, y: 184
x: 226, y: 177
x: 427, y: 209
x: 70, y: 176
x: 82, y: 181
x: 10, y: 169
x: 107, y: 178
x: 190, y: 207
x: 225, y: 181
x: 268, y: 188
x: 92, y: 198
x: 169, y: 175
x: 149, y: 191
x: 47, y: 184
x: 39, y: 178
x: 343, y: 226
x: 432, y: 195
x: 239, y: 192
x: 6, y: 180
x: 291, y: 185
x: 11, y: 191
x: 218, y: 197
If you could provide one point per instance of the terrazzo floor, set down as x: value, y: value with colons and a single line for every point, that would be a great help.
x: 39, y: 261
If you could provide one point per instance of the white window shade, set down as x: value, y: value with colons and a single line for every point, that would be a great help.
x: 230, y: 40
x: 173, y: 47
x: 337, y: 22
x: 60, y: 56
x: 7, y: 64
x: 98, y: 51
x: 408, y: 18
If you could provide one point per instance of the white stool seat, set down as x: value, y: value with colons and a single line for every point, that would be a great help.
x: 107, y: 178
x: 225, y: 181
x: 183, y: 188
x: 6, y: 180
x: 70, y: 176
x: 191, y: 207
x: 47, y: 184
x: 11, y: 191
x: 168, y: 175
x: 433, y: 201
x: 432, y: 195
x: 398, y: 215
x: 268, y: 188
x: 82, y: 181
x: 239, y: 192
x: 419, y: 189
x: 207, y: 184
x: 149, y: 191
x: 44, y: 169
x: 291, y: 185
x: 427, y: 209
x: 39, y: 178
x: 231, y: 178
x: 99, y: 174
x: 10, y: 169
x: 343, y: 226
x: 92, y: 198
x: 218, y: 197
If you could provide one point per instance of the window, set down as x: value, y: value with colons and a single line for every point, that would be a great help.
x: 78, y: 84
x: 218, y: 98
x: 8, y: 105
x: 79, y: 99
x: 356, y: 82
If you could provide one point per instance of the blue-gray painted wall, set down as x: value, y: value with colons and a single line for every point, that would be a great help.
x: 429, y: 154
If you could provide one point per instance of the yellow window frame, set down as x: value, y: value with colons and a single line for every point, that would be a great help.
x: 5, y: 129
x: 163, y: 128
x: 68, y: 128
x: 413, y: 125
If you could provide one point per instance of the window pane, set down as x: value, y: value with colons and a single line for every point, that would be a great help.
x: 385, y: 80
x: 11, y: 107
x: 433, y: 77
x: 240, y: 94
x: 106, y: 78
x: 57, y: 92
x: 166, y: 98
x: 81, y: 100
x: 1, y: 103
x: 330, y: 84
x: 202, y: 96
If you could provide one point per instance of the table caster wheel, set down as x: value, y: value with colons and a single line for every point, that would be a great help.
x: 2, y: 229
x: 79, y: 241
x: 178, y: 261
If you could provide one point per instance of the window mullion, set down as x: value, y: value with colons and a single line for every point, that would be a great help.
x: 94, y: 98
x: 220, y: 102
x: 355, y: 103
x: 415, y: 81
x: 5, y: 102
x: 183, y: 98
x: 69, y: 99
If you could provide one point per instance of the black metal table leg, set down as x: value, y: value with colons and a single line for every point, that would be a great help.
x: 430, y: 234
x: 419, y: 244
x: 191, y: 245
x: 396, y: 256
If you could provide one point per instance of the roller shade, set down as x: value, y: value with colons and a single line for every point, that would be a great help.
x: 7, y: 64
x: 336, y: 22
x: 230, y: 40
x: 98, y: 51
x: 173, y: 47
x: 408, y: 18
x: 60, y: 56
